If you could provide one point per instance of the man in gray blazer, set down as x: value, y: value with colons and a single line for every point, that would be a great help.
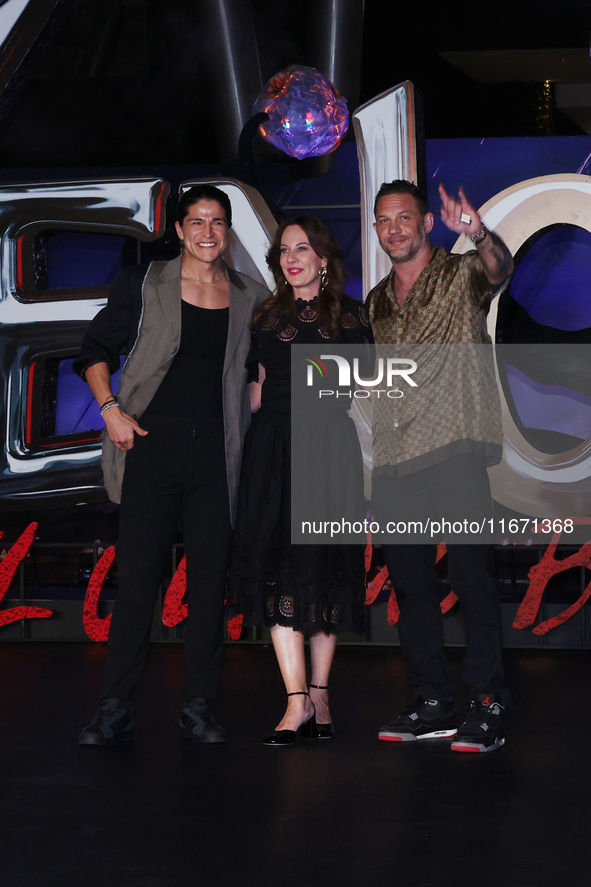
x: 172, y: 450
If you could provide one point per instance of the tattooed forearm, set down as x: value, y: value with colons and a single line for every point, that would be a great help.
x: 496, y: 258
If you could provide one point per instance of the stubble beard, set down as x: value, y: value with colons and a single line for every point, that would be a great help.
x: 413, y: 250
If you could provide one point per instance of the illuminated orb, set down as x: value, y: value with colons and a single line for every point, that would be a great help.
x: 307, y: 116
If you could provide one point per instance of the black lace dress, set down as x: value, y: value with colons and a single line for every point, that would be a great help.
x: 310, y: 588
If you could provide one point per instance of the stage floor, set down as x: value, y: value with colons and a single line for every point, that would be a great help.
x: 349, y: 812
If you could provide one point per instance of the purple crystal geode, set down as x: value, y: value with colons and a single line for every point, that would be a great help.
x: 307, y: 116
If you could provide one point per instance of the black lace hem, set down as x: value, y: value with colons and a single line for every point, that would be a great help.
x: 297, y: 607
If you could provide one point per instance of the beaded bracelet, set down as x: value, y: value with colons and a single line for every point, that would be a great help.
x: 107, y: 406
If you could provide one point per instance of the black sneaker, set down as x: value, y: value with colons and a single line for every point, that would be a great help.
x: 198, y: 723
x: 111, y: 724
x: 483, y: 729
x: 423, y: 719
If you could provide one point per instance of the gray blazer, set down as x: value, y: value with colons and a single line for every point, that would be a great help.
x: 157, y: 343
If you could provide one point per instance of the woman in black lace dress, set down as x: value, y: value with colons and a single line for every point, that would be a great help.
x: 297, y: 590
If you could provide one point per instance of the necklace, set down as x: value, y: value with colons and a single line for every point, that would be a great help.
x: 190, y: 276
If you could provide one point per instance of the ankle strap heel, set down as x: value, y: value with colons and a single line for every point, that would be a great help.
x: 308, y: 729
x: 323, y: 731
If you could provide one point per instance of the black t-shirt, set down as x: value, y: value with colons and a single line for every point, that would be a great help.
x: 192, y: 387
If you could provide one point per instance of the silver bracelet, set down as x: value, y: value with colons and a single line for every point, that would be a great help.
x: 107, y: 406
x: 478, y: 238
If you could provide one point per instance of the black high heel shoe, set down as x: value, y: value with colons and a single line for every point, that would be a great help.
x: 323, y: 731
x: 307, y: 730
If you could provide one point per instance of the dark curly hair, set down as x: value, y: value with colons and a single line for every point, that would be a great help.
x: 279, y: 308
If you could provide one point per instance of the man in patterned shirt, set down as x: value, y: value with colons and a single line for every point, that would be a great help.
x: 431, y: 451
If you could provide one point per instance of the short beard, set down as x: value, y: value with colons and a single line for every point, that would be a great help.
x: 413, y: 251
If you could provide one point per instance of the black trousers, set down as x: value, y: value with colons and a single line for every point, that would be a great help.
x: 175, y: 473
x: 435, y: 491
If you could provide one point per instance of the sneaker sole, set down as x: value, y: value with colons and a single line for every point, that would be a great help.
x: 410, y: 737
x: 188, y: 734
x: 464, y: 745
x: 115, y: 740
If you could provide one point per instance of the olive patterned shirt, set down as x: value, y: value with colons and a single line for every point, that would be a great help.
x: 455, y: 405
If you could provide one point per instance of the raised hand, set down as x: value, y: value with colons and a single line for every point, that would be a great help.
x: 455, y: 213
x: 460, y: 216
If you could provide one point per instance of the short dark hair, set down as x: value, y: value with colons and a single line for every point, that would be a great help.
x: 204, y: 192
x: 401, y: 186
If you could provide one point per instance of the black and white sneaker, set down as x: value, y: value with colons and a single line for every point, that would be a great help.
x: 484, y: 728
x: 423, y: 719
